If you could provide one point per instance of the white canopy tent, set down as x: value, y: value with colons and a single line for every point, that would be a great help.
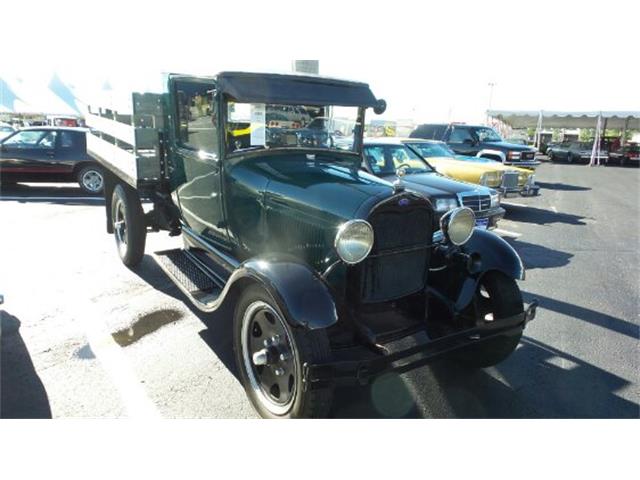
x: 622, y: 120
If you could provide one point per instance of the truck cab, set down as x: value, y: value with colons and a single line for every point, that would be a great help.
x: 326, y: 272
x: 480, y: 141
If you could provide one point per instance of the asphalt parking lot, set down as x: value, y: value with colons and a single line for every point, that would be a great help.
x: 83, y: 336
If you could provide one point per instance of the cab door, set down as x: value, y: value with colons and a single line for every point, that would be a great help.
x: 197, y: 154
x: 462, y: 141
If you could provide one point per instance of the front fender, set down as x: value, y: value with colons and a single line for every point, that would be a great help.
x: 299, y: 292
x: 494, y: 253
x: 489, y: 153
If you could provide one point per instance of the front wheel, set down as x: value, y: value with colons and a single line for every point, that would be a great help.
x: 270, y: 355
x: 498, y: 296
x: 128, y: 224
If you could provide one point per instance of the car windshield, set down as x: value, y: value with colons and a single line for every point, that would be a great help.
x: 485, y: 134
x: 430, y: 150
x: 386, y: 159
x: 255, y: 126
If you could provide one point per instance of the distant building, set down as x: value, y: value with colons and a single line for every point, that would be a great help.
x: 307, y: 66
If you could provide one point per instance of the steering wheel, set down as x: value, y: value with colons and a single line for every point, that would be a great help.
x: 401, y: 167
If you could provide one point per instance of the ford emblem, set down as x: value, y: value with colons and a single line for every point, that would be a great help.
x: 403, y: 202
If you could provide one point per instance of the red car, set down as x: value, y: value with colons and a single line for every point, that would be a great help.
x: 628, y: 153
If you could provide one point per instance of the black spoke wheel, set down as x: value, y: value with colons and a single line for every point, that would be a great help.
x: 270, y: 355
x: 498, y: 296
x: 129, y: 226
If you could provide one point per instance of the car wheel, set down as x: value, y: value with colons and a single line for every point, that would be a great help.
x: 552, y: 158
x: 129, y: 225
x: 270, y: 356
x: 498, y: 296
x: 91, y: 180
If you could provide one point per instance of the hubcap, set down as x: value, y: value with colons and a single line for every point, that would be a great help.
x: 120, y: 227
x: 92, y: 181
x: 270, y: 358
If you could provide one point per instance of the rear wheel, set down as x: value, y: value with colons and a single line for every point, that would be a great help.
x: 91, y: 179
x: 129, y: 225
x: 270, y: 356
x: 498, y: 296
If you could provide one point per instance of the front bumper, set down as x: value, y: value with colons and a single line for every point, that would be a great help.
x: 492, y: 215
x: 525, y: 190
x: 522, y: 163
x: 362, y: 371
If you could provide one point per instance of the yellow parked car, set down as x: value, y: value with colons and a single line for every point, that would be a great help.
x: 484, y: 171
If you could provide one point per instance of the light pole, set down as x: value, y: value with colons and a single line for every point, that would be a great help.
x: 490, y: 85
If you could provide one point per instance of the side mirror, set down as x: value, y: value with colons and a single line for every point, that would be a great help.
x: 380, y: 107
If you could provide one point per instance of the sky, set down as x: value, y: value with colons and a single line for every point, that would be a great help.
x: 431, y: 62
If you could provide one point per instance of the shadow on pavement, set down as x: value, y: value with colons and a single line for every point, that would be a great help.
x: 22, y: 394
x: 537, y: 256
x: 540, y: 216
x: 218, y: 335
x: 600, y: 319
x: 64, y: 194
x: 536, y: 381
x: 562, y: 186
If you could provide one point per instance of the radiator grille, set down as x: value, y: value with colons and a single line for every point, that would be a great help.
x: 510, y: 179
x: 477, y: 203
x: 398, y: 263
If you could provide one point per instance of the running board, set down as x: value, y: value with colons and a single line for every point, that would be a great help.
x: 201, y: 287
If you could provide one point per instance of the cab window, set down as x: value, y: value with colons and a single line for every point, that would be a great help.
x: 196, y: 125
x: 32, y: 139
x: 460, y: 135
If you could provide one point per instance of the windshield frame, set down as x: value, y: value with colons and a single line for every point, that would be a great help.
x: 358, y: 135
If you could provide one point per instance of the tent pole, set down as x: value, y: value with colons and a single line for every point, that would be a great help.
x: 595, y: 150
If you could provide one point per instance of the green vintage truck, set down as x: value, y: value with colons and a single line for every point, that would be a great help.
x: 330, y: 275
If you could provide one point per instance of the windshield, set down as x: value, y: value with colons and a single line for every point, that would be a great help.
x: 254, y: 126
x: 485, y: 134
x: 386, y: 159
x: 430, y: 150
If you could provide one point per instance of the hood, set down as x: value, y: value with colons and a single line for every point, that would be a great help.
x: 445, y: 162
x: 436, y: 185
x: 326, y: 188
x: 509, y: 146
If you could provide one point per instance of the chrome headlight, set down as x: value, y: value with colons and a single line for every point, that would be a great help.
x: 457, y: 225
x: 491, y: 178
x: 495, y: 199
x: 354, y: 241
x: 522, y: 178
x: 445, y: 204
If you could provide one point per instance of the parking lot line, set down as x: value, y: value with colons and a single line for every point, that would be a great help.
x: 65, y: 199
x: 116, y: 364
x: 507, y: 233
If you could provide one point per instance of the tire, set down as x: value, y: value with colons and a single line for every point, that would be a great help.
x: 129, y: 226
x: 273, y: 394
x: 552, y: 157
x: 91, y: 180
x: 500, y: 296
